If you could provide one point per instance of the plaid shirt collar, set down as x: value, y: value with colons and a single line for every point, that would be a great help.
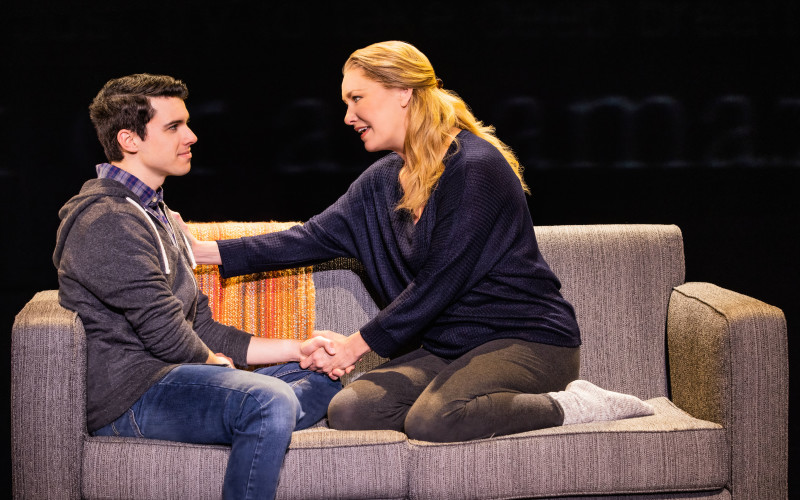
x: 147, y: 196
x: 152, y: 201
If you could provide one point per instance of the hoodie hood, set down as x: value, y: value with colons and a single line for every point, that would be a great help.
x: 91, y: 191
x: 94, y: 190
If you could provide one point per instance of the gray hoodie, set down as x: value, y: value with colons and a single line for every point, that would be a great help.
x: 134, y: 290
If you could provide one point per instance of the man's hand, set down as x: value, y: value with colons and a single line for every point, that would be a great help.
x: 346, y: 352
x: 316, y: 352
x: 219, y: 359
x: 308, y: 347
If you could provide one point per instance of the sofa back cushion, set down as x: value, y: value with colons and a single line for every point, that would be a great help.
x: 619, y: 279
x: 275, y: 304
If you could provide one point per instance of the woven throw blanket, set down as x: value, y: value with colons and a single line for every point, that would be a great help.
x: 275, y: 304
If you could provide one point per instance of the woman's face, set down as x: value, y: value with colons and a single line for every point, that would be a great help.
x: 378, y: 114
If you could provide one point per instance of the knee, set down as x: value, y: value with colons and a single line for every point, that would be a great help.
x: 425, y: 424
x: 344, y: 412
x: 274, y: 405
x: 363, y: 405
x: 314, y: 393
x: 323, y: 386
x: 360, y: 406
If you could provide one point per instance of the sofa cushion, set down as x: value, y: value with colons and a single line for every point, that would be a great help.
x: 325, y: 464
x: 275, y: 304
x: 666, y: 452
x: 124, y: 468
x: 619, y: 278
x: 343, y: 305
x: 320, y: 464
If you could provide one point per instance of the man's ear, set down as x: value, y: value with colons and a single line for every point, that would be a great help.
x: 128, y: 141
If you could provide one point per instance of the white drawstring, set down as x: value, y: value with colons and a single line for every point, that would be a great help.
x: 147, y: 216
x: 191, y: 253
x: 170, y: 220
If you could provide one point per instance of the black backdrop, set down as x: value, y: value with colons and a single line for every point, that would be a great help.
x: 640, y: 111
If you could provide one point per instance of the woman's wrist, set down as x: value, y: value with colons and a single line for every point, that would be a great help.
x: 356, y: 345
x: 207, y: 252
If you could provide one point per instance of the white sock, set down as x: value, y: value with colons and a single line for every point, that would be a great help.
x: 584, y: 402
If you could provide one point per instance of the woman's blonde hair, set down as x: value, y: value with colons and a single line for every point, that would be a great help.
x: 433, y: 112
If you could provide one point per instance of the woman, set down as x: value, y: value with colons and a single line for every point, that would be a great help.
x: 442, y: 227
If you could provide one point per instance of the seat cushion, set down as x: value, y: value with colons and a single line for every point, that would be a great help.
x: 324, y: 464
x: 320, y: 464
x: 668, y: 451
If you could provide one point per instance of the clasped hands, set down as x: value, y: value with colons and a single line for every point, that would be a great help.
x: 335, y: 357
x: 324, y: 352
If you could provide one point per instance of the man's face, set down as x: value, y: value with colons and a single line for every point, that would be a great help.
x: 166, y: 150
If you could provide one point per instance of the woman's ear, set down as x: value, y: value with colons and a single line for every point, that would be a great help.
x: 128, y: 141
x: 405, y: 96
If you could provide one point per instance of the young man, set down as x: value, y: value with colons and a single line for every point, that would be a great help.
x: 158, y: 365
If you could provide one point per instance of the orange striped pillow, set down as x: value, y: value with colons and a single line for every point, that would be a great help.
x: 275, y: 304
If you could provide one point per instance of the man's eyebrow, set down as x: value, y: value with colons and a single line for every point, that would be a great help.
x: 176, y: 122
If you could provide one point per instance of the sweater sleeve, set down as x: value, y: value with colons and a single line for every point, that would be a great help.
x: 118, y: 263
x: 472, y: 201
x: 328, y: 235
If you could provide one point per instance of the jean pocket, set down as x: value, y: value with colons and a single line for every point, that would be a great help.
x: 128, y: 425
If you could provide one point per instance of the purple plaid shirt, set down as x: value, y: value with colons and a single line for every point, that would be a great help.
x: 152, y: 201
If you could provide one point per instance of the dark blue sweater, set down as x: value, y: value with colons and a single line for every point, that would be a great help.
x: 468, y: 272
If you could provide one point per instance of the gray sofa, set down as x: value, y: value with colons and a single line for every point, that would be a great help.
x: 714, y: 364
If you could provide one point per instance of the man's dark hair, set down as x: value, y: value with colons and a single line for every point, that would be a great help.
x: 123, y: 103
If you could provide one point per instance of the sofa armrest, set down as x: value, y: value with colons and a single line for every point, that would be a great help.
x: 728, y: 363
x: 48, y: 399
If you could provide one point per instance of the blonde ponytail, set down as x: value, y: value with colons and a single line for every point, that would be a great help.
x: 433, y: 113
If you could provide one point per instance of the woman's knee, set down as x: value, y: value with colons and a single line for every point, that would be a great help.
x: 432, y: 424
x: 363, y: 405
x: 344, y: 410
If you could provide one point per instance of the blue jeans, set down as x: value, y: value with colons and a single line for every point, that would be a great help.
x: 254, y: 412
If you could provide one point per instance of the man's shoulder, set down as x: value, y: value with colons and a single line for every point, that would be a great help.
x: 108, y: 217
x: 109, y: 208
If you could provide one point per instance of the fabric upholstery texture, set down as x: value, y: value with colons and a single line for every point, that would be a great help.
x: 324, y: 464
x: 618, y: 278
x: 275, y: 304
x: 728, y: 364
x: 48, y: 377
x: 668, y: 451
x: 320, y: 464
x: 700, y: 495
x: 714, y: 364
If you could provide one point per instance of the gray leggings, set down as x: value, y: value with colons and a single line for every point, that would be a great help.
x: 495, y: 389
